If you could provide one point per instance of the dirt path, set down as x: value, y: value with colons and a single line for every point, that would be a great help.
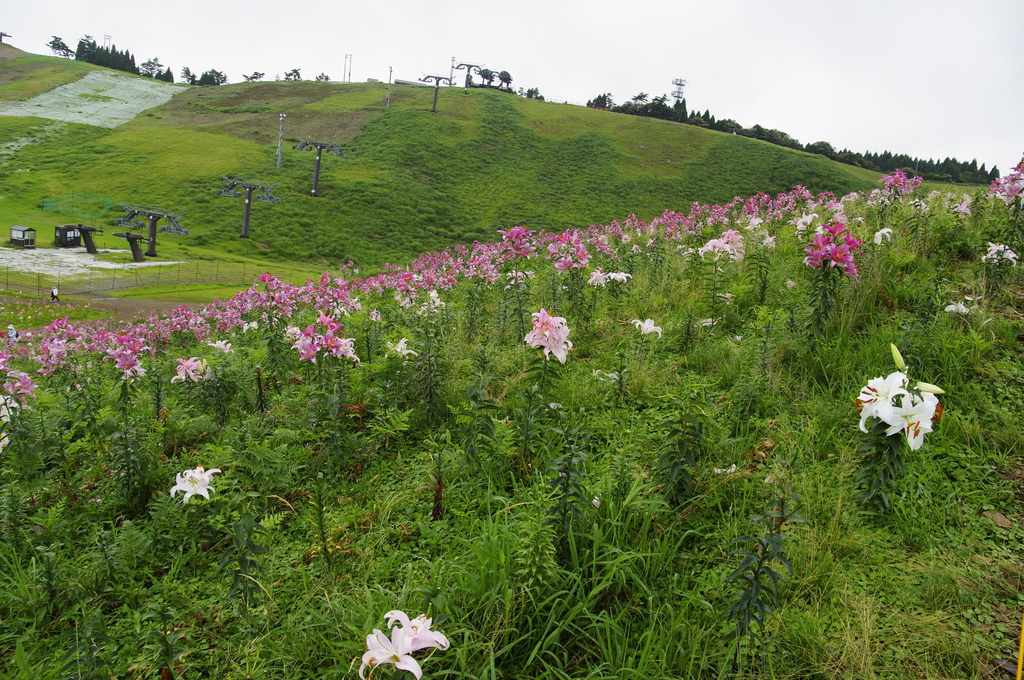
x: 123, y: 309
x: 127, y: 309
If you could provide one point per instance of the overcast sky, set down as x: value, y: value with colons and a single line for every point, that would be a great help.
x: 929, y: 78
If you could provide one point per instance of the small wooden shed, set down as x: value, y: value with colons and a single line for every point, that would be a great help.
x: 23, y: 236
x: 67, y: 236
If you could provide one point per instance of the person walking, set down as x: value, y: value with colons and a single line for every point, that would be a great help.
x: 54, y: 294
x: 12, y: 333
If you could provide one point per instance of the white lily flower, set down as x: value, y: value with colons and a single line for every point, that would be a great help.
x: 194, y: 483
x: 646, y: 327
x: 401, y: 349
x: 958, y: 308
x: 876, y: 398
x: 394, y: 650
x: 222, y: 345
x: 418, y: 633
x: 915, y: 420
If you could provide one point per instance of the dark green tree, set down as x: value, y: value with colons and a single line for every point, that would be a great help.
x: 679, y: 108
x: 60, y: 48
x: 85, y: 45
x: 256, y: 75
x: 151, y: 67
x: 505, y: 79
x: 601, y: 101
x: 728, y: 125
x: 212, y: 77
x: 823, y: 148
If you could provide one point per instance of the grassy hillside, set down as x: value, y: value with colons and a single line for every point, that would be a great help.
x: 411, y: 181
x: 678, y: 460
x: 24, y: 75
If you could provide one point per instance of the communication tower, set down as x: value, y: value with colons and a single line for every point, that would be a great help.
x: 678, y: 92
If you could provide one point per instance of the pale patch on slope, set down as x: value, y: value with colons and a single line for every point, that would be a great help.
x: 101, y: 98
x: 65, y: 261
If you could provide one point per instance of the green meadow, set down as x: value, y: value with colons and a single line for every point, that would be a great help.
x: 410, y: 181
x: 774, y: 442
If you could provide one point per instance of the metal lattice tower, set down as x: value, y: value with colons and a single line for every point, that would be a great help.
x: 678, y: 92
x: 154, y: 215
x: 333, y: 148
x: 266, y: 195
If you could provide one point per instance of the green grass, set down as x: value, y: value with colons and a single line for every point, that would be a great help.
x: 25, y: 76
x: 411, y: 181
x: 24, y: 312
x: 185, y: 293
x: 337, y: 461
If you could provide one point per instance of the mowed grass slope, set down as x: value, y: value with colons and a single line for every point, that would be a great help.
x: 24, y: 75
x: 410, y: 181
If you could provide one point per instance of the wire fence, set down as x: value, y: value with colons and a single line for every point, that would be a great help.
x: 108, y: 280
x: 79, y: 205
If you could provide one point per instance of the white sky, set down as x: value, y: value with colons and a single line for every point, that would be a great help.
x: 929, y: 78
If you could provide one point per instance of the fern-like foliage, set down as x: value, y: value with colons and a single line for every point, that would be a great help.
x: 881, y: 466
x: 685, y: 445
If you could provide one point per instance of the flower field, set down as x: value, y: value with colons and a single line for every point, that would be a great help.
x: 775, y: 438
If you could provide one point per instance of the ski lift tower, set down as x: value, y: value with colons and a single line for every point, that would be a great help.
x: 308, y: 144
x: 437, y: 86
x: 266, y: 195
x: 678, y: 92
x: 154, y: 215
x: 469, y: 73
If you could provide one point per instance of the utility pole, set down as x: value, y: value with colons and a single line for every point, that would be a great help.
x: 347, y: 69
x: 280, y: 139
x: 437, y: 86
x: 387, y: 101
x: 469, y: 73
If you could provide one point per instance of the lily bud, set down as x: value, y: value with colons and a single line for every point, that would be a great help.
x: 897, y: 357
x: 928, y: 387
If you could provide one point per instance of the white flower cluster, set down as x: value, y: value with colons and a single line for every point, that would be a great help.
x: 902, y: 407
x: 411, y: 636
x: 998, y: 252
